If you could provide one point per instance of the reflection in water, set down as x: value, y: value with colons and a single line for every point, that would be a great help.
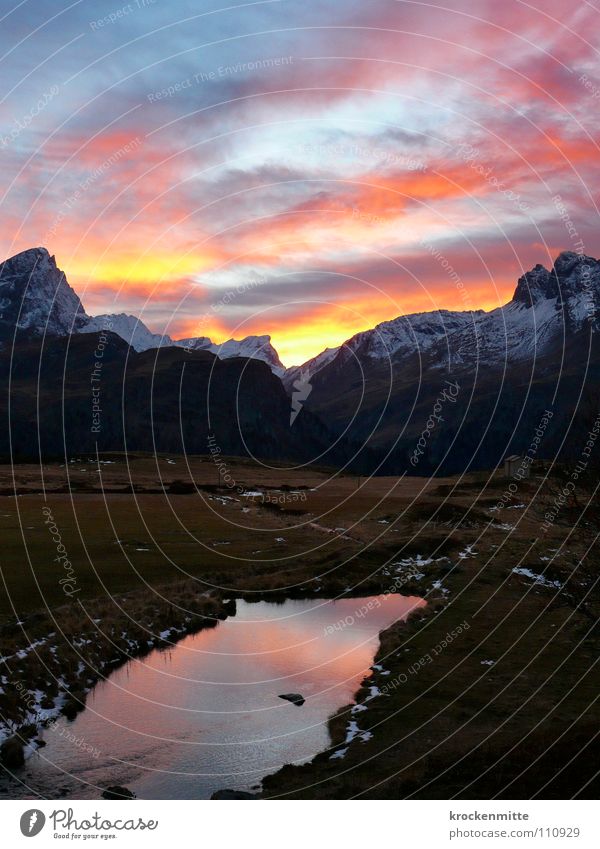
x: 183, y: 722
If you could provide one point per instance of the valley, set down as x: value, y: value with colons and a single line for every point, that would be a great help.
x: 495, y: 671
x: 300, y: 420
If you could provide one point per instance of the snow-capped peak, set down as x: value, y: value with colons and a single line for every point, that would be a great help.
x: 129, y: 328
x: 35, y: 296
x: 253, y: 347
x: 545, y: 306
x: 195, y: 343
x: 135, y: 333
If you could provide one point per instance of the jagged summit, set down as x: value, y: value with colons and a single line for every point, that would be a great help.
x: 252, y: 347
x: 29, y: 256
x: 571, y: 275
x: 35, y: 296
x: 536, y: 285
x: 195, y: 343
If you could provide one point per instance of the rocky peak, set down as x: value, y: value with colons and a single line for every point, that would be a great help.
x: 566, y: 262
x: 536, y: 285
x: 572, y: 275
x: 577, y: 273
x: 35, y: 296
x: 252, y: 347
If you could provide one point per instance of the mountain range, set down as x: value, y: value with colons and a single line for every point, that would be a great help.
x: 366, y: 403
x: 36, y: 297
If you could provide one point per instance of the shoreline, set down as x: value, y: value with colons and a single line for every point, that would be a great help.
x: 28, y: 702
x: 343, y: 725
x: 35, y: 709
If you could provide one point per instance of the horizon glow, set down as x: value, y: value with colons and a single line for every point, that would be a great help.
x: 325, y: 163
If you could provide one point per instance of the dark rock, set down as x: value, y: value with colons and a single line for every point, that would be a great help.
x: 118, y: 792
x: 71, y: 708
x: 11, y: 753
x: 138, y: 383
x: 295, y: 698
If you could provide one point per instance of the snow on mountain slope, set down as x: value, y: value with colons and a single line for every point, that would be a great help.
x: 256, y: 347
x: 129, y: 328
x: 545, y: 306
x: 409, y: 333
x: 509, y: 333
x: 35, y: 296
x: 195, y: 343
x: 136, y: 334
x: 309, y: 368
x: 252, y: 347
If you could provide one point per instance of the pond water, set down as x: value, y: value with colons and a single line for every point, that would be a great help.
x: 205, y: 714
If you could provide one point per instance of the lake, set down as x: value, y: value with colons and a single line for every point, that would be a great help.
x: 204, y: 714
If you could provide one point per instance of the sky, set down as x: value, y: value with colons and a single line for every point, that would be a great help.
x: 299, y: 168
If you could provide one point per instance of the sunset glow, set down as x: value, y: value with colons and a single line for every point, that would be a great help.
x: 343, y: 166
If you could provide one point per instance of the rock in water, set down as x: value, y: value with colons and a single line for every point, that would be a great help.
x: 296, y: 698
x: 118, y: 792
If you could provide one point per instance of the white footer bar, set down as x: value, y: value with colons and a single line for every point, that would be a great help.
x: 298, y: 825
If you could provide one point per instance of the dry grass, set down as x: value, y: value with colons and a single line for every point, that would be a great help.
x: 454, y: 720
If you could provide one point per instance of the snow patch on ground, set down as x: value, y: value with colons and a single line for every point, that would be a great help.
x: 374, y: 691
x: 537, y: 579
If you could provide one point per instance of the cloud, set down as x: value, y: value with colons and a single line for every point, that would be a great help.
x: 321, y: 173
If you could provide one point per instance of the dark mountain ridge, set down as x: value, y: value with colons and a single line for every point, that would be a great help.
x: 60, y: 399
x: 435, y: 392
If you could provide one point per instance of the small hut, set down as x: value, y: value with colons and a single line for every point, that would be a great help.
x: 514, y: 465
